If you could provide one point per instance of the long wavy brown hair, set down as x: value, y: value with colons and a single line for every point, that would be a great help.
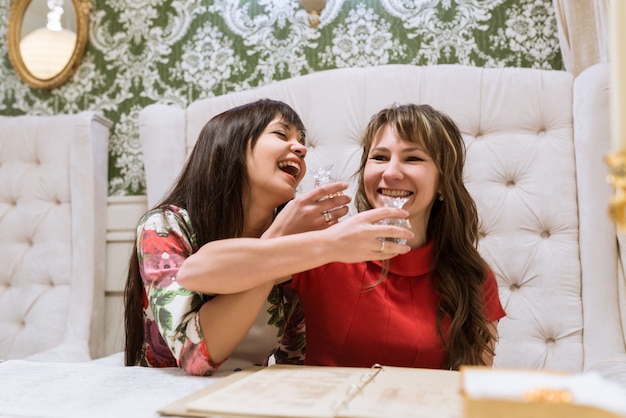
x: 457, y: 269
x: 211, y: 187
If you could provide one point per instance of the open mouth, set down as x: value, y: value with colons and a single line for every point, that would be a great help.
x: 394, y: 193
x: 290, y: 167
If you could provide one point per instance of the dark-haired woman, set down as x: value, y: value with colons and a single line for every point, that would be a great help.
x: 210, y: 253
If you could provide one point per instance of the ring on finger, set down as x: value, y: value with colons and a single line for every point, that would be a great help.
x: 328, y: 217
x: 382, y: 245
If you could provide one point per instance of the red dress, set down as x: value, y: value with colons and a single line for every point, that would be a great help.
x: 392, y: 324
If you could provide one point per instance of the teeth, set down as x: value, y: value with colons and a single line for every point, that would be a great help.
x: 288, y: 163
x: 395, y: 193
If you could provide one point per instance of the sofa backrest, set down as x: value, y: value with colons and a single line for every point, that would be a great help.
x: 541, y: 198
x: 53, y: 193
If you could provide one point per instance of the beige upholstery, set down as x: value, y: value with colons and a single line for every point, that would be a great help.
x: 536, y: 141
x: 53, y: 190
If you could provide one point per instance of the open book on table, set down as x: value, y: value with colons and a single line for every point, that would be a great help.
x: 320, y: 392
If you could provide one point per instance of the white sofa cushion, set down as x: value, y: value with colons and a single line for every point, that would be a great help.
x: 53, y: 188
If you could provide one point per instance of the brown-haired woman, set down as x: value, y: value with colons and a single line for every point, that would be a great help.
x: 434, y: 307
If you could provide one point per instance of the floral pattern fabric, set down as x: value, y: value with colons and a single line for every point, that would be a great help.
x: 171, y: 322
x: 173, y: 337
x: 289, y: 315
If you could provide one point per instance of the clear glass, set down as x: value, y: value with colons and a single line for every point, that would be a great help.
x: 323, y: 176
x: 394, y: 202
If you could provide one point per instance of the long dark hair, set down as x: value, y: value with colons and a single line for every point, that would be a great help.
x: 458, y: 270
x: 211, y: 187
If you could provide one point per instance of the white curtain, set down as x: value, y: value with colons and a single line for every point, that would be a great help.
x: 622, y: 279
x: 583, y: 27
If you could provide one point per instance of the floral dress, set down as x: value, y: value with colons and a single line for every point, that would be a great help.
x: 172, y: 333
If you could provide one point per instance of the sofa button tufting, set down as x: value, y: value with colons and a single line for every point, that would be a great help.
x: 510, y: 184
x: 550, y: 341
x: 545, y: 234
x: 514, y: 287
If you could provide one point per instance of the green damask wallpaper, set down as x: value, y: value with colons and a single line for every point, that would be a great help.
x: 176, y: 51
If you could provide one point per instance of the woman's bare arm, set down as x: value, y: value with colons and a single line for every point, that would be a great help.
x: 235, y: 265
x: 226, y: 319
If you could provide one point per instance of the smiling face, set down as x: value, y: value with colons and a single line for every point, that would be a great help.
x: 399, y: 168
x: 276, y: 164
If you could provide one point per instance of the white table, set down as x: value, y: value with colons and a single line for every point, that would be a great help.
x: 92, y: 389
x: 109, y: 390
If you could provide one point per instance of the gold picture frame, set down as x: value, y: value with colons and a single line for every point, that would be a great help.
x: 16, y: 17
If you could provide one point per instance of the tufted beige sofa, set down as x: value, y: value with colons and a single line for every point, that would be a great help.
x: 535, y: 146
x: 53, y: 191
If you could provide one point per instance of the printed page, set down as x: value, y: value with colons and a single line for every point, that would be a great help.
x: 304, y: 391
x: 284, y: 391
x: 405, y: 392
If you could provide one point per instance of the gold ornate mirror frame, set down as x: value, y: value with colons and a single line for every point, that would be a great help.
x: 16, y: 16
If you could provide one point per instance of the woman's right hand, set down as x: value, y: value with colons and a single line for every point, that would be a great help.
x: 306, y: 213
x: 360, y: 238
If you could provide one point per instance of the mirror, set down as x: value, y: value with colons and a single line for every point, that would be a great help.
x: 47, y: 39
